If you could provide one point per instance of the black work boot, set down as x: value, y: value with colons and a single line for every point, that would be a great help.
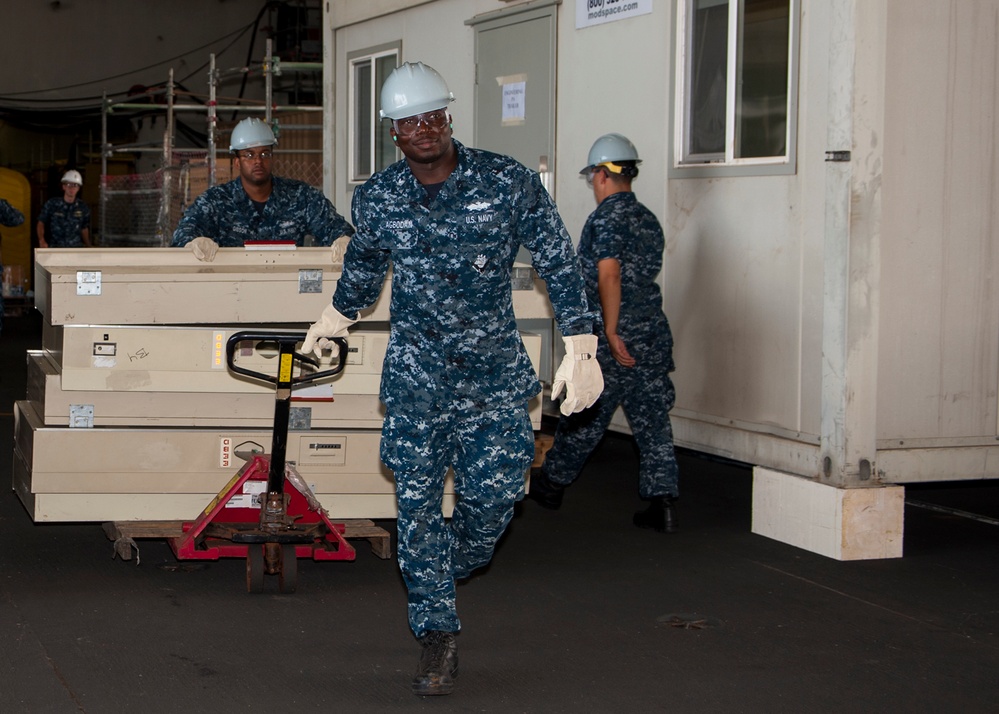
x: 660, y: 515
x: 544, y: 491
x: 438, y: 664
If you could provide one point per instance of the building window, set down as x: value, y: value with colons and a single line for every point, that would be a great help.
x: 737, y: 82
x: 371, y: 147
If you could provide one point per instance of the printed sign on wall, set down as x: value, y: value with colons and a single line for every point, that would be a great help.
x: 514, y: 92
x: 597, y: 12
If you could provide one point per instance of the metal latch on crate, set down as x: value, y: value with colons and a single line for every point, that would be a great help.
x: 300, y: 419
x: 88, y: 282
x: 310, y: 281
x: 81, y: 416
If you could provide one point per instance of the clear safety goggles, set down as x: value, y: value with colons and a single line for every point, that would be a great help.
x: 407, y: 126
x: 594, y: 170
x: 610, y: 166
x: 264, y: 155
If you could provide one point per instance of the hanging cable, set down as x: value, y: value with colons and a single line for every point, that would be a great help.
x: 249, y: 53
x: 237, y: 33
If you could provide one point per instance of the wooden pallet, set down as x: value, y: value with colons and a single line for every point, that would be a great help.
x: 124, y: 533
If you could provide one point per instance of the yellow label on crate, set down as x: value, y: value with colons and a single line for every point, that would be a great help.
x: 218, y: 497
x: 284, y: 375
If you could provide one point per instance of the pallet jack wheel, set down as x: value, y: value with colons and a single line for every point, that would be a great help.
x: 288, y: 577
x: 255, y: 569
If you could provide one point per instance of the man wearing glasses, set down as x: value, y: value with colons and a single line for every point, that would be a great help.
x: 257, y: 206
x: 456, y: 379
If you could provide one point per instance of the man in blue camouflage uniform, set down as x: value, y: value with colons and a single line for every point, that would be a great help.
x: 9, y: 217
x: 257, y: 206
x: 65, y: 220
x: 621, y: 250
x: 456, y: 378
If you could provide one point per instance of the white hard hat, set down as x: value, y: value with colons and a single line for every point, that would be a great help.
x: 250, y: 133
x: 72, y: 176
x: 413, y: 88
x: 612, y: 149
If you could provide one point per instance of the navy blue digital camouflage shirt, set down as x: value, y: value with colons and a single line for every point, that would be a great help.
x: 64, y: 222
x: 10, y: 216
x: 294, y: 209
x: 454, y: 342
x: 624, y: 229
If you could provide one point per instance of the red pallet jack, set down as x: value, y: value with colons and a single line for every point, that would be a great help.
x: 290, y: 523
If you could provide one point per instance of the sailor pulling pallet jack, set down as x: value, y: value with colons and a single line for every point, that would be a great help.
x: 456, y: 379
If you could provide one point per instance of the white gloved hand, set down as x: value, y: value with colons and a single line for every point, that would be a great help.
x: 579, y: 373
x: 204, y: 249
x: 331, y: 324
x: 338, y: 249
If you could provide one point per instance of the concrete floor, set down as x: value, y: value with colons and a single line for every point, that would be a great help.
x: 577, y: 612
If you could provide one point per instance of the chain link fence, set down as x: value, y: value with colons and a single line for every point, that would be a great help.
x: 132, y: 210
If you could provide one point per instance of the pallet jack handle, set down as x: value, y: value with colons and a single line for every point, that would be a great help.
x: 287, y: 341
x: 284, y: 379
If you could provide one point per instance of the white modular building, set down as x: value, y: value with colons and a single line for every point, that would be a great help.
x: 826, y: 175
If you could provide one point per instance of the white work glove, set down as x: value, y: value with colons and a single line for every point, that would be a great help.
x: 579, y: 373
x: 338, y: 249
x: 331, y: 324
x: 204, y: 249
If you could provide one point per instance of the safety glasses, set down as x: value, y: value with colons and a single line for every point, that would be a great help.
x: 408, y: 126
x: 251, y: 156
x: 590, y: 174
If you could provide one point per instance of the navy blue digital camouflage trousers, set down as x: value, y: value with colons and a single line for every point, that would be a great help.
x: 490, y: 453
x: 646, y: 394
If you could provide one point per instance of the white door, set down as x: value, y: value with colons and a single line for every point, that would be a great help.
x: 515, y: 106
